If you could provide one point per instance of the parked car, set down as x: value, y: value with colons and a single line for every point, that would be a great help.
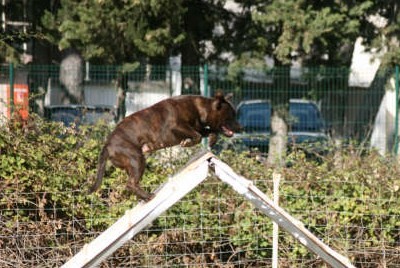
x: 307, y: 127
x: 80, y: 114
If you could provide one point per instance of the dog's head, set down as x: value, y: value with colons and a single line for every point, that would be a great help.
x: 222, y: 115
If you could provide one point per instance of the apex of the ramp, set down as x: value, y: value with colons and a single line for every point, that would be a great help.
x: 198, y: 158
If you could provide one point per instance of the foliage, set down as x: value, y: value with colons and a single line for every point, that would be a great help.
x: 108, y: 31
x: 136, y: 28
x: 130, y: 31
x: 314, y: 33
x: 381, y: 30
x: 303, y: 31
x: 8, y: 53
x: 348, y: 199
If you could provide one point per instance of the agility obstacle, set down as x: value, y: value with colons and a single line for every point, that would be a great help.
x: 196, y: 171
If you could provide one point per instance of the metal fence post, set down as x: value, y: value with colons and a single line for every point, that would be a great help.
x: 276, y: 177
x: 206, y: 94
x: 206, y: 91
x: 11, y: 76
x: 396, y: 129
x: 169, y: 74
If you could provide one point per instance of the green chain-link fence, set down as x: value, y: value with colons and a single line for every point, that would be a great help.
x: 351, y: 109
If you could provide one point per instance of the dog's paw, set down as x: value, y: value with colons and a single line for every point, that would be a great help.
x: 149, y: 197
x: 146, y: 148
x: 186, y: 142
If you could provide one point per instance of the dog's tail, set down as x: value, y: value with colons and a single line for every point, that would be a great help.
x: 100, y: 169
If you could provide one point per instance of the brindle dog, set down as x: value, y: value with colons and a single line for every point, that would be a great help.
x: 180, y: 120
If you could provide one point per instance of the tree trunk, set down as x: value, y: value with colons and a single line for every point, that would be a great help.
x: 71, y: 78
x: 122, y: 87
x: 193, y: 24
x: 190, y: 68
x: 279, y: 118
x: 278, y: 141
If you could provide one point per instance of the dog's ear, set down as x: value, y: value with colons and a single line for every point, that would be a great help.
x: 218, y: 100
x: 229, y: 97
x: 219, y: 94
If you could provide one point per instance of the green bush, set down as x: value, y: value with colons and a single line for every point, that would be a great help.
x: 349, y: 200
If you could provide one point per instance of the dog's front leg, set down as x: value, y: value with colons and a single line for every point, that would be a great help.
x: 188, y: 142
x: 212, y: 139
x: 189, y: 137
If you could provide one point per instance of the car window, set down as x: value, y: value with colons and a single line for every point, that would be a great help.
x: 257, y: 117
x: 305, y: 117
x: 79, y: 115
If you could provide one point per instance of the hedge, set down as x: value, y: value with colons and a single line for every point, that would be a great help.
x: 349, y: 199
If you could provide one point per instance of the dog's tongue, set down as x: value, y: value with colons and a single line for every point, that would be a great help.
x: 227, y: 131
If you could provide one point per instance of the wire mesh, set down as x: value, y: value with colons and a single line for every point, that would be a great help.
x: 348, y: 199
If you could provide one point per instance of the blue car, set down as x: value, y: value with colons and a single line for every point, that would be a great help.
x: 306, y: 125
x: 79, y: 114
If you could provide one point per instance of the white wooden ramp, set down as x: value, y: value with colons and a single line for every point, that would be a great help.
x: 177, y: 187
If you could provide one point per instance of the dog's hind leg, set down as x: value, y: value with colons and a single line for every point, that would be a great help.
x: 135, y: 171
x: 132, y: 160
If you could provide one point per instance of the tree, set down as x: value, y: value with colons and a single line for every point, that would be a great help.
x: 129, y: 32
x: 115, y: 32
x: 381, y: 30
x: 312, y: 32
x: 199, y: 22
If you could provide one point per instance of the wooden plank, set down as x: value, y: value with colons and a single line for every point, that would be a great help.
x: 278, y: 215
x: 137, y: 218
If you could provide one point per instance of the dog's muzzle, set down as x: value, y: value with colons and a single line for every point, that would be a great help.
x: 227, y: 131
